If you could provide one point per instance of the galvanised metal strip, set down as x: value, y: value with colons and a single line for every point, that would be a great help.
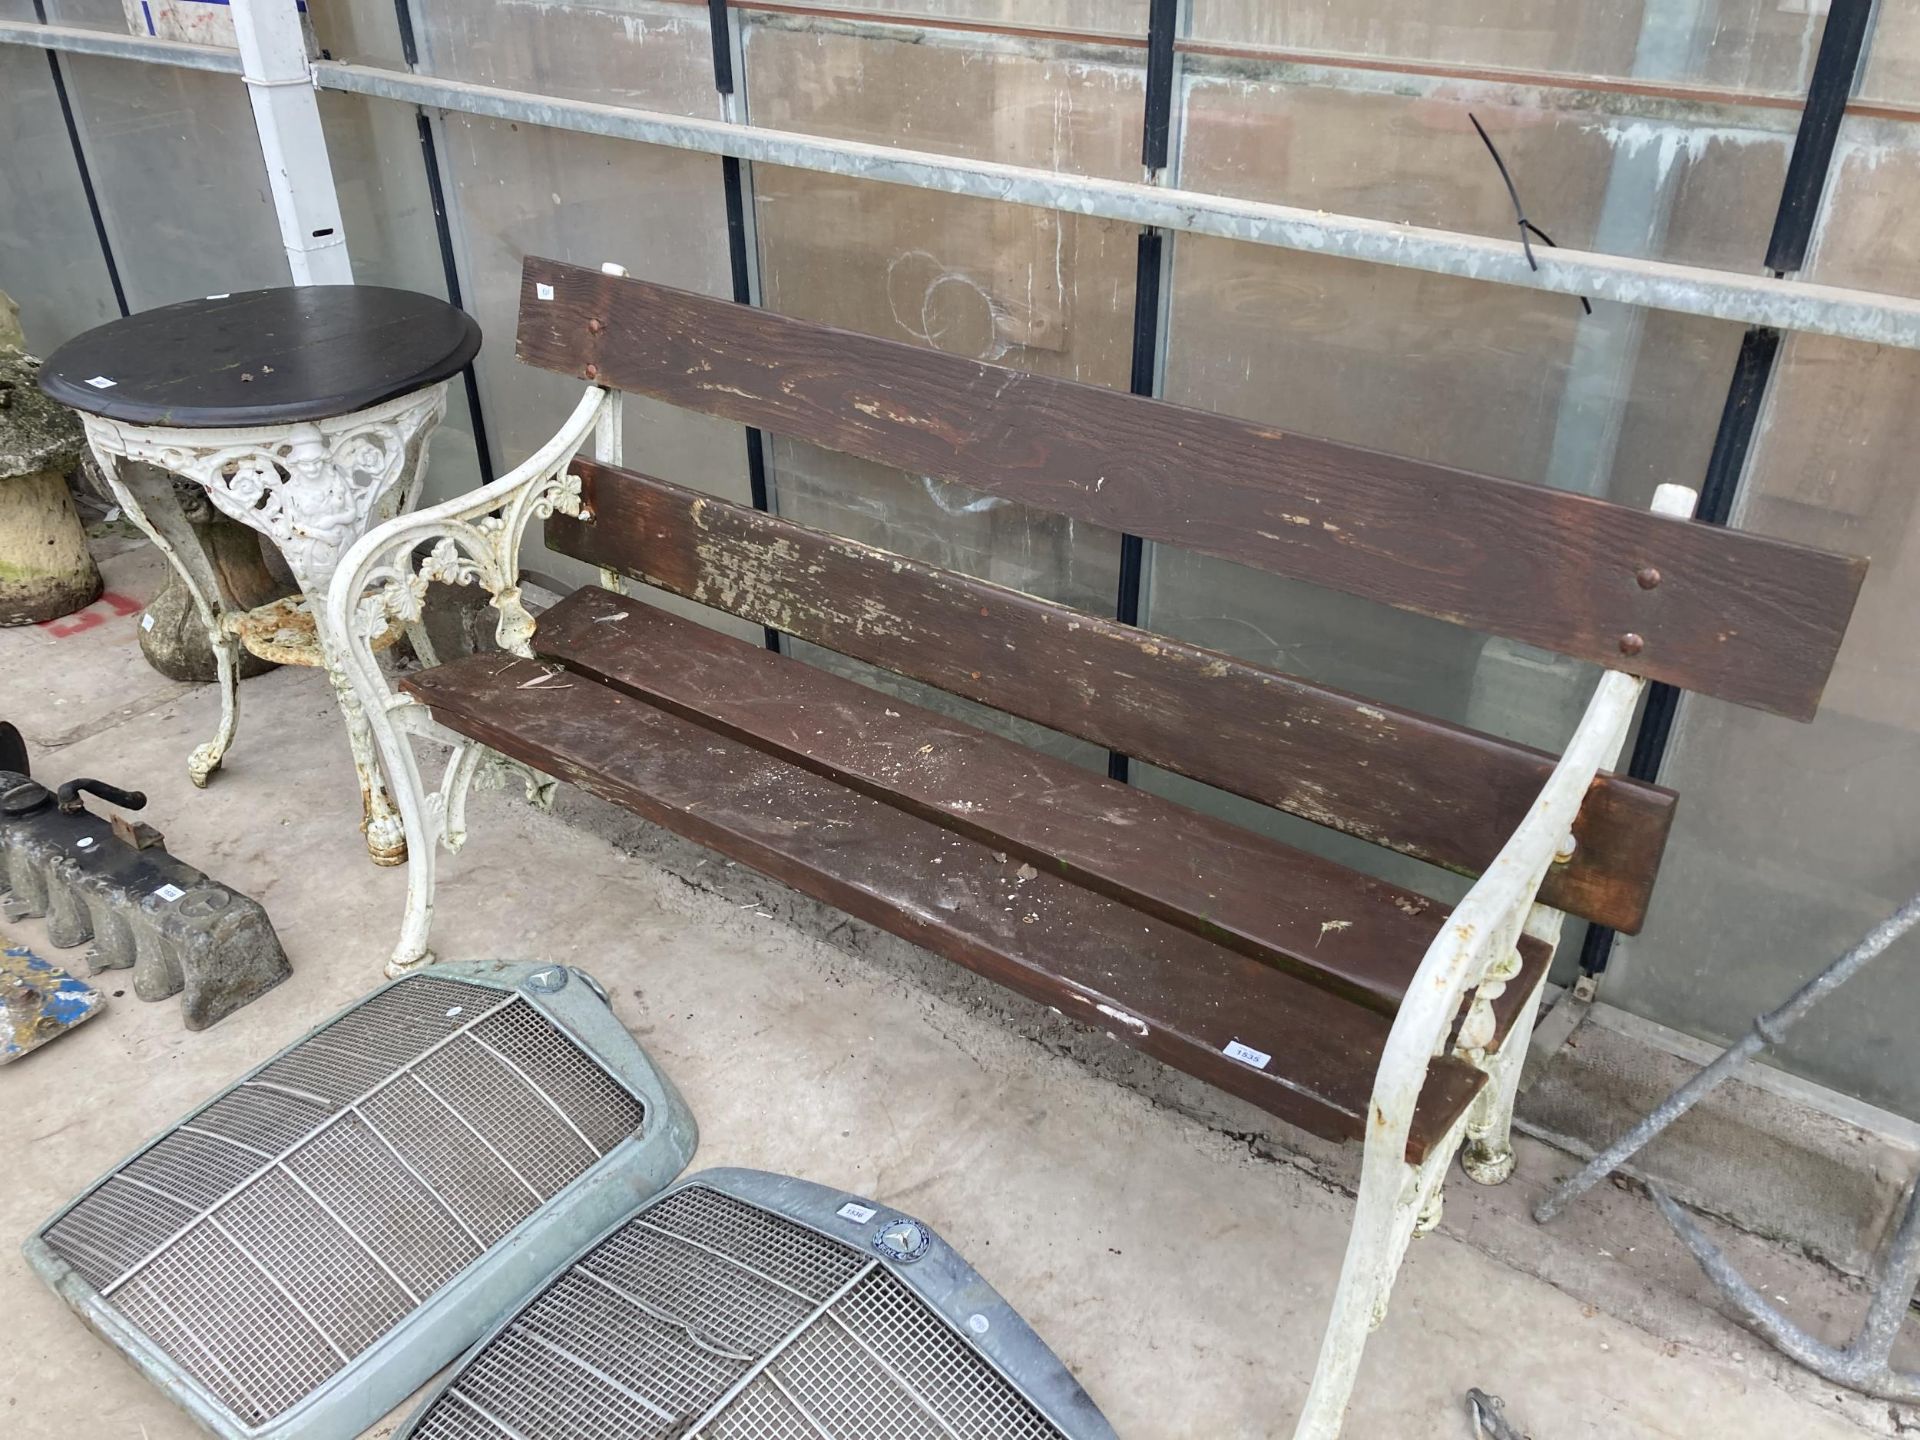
x: 1659, y: 285
x: 432, y: 1190
x: 273, y: 1280
x: 906, y: 1385
x: 567, y: 1357
x: 474, y: 1130
x: 219, y: 1139
x: 1860, y: 315
x: 76, y: 41
x: 337, y: 1218
x: 487, y: 1415
x: 799, y: 1407
x: 653, y: 1312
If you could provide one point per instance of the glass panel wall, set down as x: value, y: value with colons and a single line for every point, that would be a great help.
x: 50, y: 260
x: 1754, y: 46
x: 386, y: 213
x: 1792, y: 840
x: 1893, y: 58
x: 517, y: 190
x: 176, y: 165
x: 1028, y: 288
x: 1657, y: 128
x: 1104, y: 17
x: 1508, y: 382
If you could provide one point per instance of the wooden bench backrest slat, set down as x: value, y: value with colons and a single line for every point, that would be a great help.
x: 1739, y: 616
x: 1401, y: 780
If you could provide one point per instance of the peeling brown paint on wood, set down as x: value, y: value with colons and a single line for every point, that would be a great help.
x: 1743, y: 617
x: 1395, y: 778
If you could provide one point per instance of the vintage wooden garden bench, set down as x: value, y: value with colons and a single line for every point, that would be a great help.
x: 1340, y: 1003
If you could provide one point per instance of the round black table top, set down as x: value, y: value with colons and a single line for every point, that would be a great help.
x: 262, y: 357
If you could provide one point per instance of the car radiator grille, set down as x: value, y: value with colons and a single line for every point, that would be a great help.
x: 708, y: 1316
x: 292, y: 1223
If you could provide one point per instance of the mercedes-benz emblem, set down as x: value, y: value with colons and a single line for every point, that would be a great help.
x: 902, y: 1240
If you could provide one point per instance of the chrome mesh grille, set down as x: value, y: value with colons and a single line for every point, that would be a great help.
x: 790, y: 1255
x: 709, y: 1316
x: 308, y: 1211
x: 909, y: 1339
x: 530, y: 1133
x: 226, y: 1324
x: 351, y: 1170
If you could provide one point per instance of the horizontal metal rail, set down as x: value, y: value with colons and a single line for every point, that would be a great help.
x: 1653, y: 284
x: 77, y: 41
x: 1790, y: 305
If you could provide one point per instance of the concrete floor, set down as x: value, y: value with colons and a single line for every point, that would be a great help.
x: 1181, y: 1266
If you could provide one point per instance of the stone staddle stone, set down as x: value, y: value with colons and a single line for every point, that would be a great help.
x: 45, y: 568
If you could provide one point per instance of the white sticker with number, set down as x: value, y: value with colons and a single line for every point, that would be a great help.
x: 101, y: 382
x: 542, y: 290
x: 859, y: 1214
x: 169, y: 892
x: 1247, y: 1055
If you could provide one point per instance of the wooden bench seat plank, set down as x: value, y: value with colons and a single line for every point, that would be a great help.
x: 1332, y: 926
x: 1740, y: 616
x: 1151, y: 985
x: 1393, y: 777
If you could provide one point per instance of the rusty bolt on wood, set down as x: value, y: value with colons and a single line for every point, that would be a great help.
x: 594, y: 327
x: 593, y: 372
x: 1647, y: 576
x: 1631, y: 644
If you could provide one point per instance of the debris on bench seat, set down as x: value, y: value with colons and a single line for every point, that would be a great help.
x: 1387, y: 775
x: 1333, y: 926
x: 1152, y: 985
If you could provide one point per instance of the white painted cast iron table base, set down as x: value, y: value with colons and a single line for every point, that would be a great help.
x: 312, y: 487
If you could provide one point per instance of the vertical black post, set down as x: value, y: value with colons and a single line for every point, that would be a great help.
x: 739, y: 257
x: 1156, y: 135
x: 1155, y: 149
x: 722, y: 37
x: 443, y: 232
x: 86, y: 170
x: 1828, y: 90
